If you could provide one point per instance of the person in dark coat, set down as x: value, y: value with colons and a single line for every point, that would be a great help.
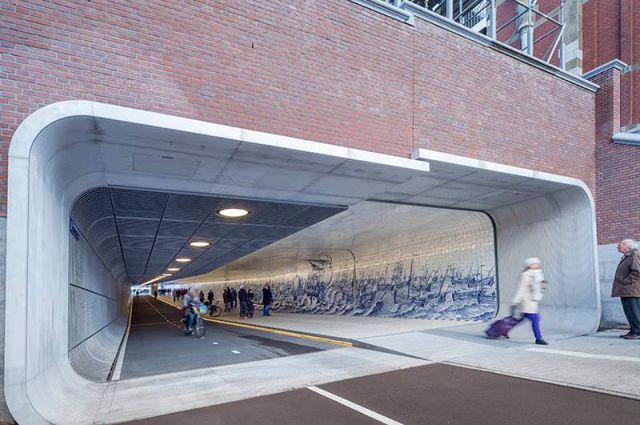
x: 210, y: 297
x: 626, y: 285
x: 244, y: 302
x: 267, y: 298
x: 234, y: 298
x: 201, y: 296
x: 226, y: 296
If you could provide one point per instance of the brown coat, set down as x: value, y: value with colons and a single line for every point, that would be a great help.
x: 626, y: 282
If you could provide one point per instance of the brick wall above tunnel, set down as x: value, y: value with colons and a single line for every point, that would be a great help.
x: 330, y: 71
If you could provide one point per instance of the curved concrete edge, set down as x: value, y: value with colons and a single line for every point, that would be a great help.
x: 573, y: 199
x: 29, y: 129
x: 93, y: 359
x: 24, y: 386
x: 30, y: 393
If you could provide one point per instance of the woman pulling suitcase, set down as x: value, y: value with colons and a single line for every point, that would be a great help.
x: 527, y: 298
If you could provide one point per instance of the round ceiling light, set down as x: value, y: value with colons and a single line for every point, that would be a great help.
x: 183, y: 260
x: 173, y: 269
x: 199, y: 244
x: 233, y: 212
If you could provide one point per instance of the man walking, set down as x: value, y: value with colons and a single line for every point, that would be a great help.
x: 626, y: 285
x: 267, y: 298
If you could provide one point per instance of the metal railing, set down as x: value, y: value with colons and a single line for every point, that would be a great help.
x: 475, y: 13
x: 522, y: 24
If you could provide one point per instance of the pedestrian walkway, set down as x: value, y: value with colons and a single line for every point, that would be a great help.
x: 451, y: 370
x: 600, y: 362
x: 433, y: 394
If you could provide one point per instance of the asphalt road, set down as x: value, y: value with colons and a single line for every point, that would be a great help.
x: 157, y: 343
x: 436, y: 394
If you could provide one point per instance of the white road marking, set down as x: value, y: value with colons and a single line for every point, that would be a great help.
x: 585, y: 355
x: 370, y: 413
x: 235, y: 351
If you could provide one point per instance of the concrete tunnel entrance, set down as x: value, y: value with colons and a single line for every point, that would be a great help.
x: 328, y: 207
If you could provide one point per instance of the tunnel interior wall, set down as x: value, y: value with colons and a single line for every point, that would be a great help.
x: 70, y: 300
x: 559, y: 229
x: 98, y: 312
x: 428, y: 263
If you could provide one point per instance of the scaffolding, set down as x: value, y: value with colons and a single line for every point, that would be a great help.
x: 522, y: 24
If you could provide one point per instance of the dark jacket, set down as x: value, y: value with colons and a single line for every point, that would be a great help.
x: 626, y: 282
x: 267, y: 297
x: 242, y: 295
x: 210, y: 296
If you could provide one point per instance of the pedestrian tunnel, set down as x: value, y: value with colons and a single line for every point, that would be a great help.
x: 104, y: 197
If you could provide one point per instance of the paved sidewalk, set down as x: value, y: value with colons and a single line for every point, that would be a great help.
x: 600, y: 362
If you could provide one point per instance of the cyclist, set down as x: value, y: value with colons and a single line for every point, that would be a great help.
x: 190, y: 302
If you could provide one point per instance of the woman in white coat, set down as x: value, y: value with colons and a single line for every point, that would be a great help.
x: 529, y: 294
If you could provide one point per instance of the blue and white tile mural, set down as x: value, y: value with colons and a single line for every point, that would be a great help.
x: 395, y: 291
x: 434, y: 282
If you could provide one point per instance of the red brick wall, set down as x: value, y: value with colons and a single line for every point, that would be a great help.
x: 617, y: 167
x: 612, y: 31
x: 630, y: 54
x: 601, y: 37
x: 329, y: 71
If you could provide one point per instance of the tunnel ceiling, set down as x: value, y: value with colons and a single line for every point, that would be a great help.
x: 149, y: 230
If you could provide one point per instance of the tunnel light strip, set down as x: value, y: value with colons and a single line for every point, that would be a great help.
x: 351, y: 405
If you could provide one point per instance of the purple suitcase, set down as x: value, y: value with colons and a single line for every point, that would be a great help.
x: 501, y: 327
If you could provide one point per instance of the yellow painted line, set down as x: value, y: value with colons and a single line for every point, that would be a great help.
x: 274, y: 331
x: 281, y: 332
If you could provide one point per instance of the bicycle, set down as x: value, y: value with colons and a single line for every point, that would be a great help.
x: 214, y: 310
x: 198, y: 325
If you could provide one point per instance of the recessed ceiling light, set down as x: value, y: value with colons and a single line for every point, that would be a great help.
x: 183, y: 260
x: 199, y: 244
x: 233, y: 212
x: 173, y: 269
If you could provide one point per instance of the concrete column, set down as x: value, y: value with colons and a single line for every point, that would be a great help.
x: 5, y: 416
x: 573, y: 36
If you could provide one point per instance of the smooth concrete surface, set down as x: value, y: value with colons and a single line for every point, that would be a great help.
x: 612, y: 313
x: 98, y: 312
x: 64, y: 149
x: 434, y: 394
x: 600, y: 361
x: 162, y: 394
x: 5, y: 415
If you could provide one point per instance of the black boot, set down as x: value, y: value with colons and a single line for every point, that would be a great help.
x: 541, y: 342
